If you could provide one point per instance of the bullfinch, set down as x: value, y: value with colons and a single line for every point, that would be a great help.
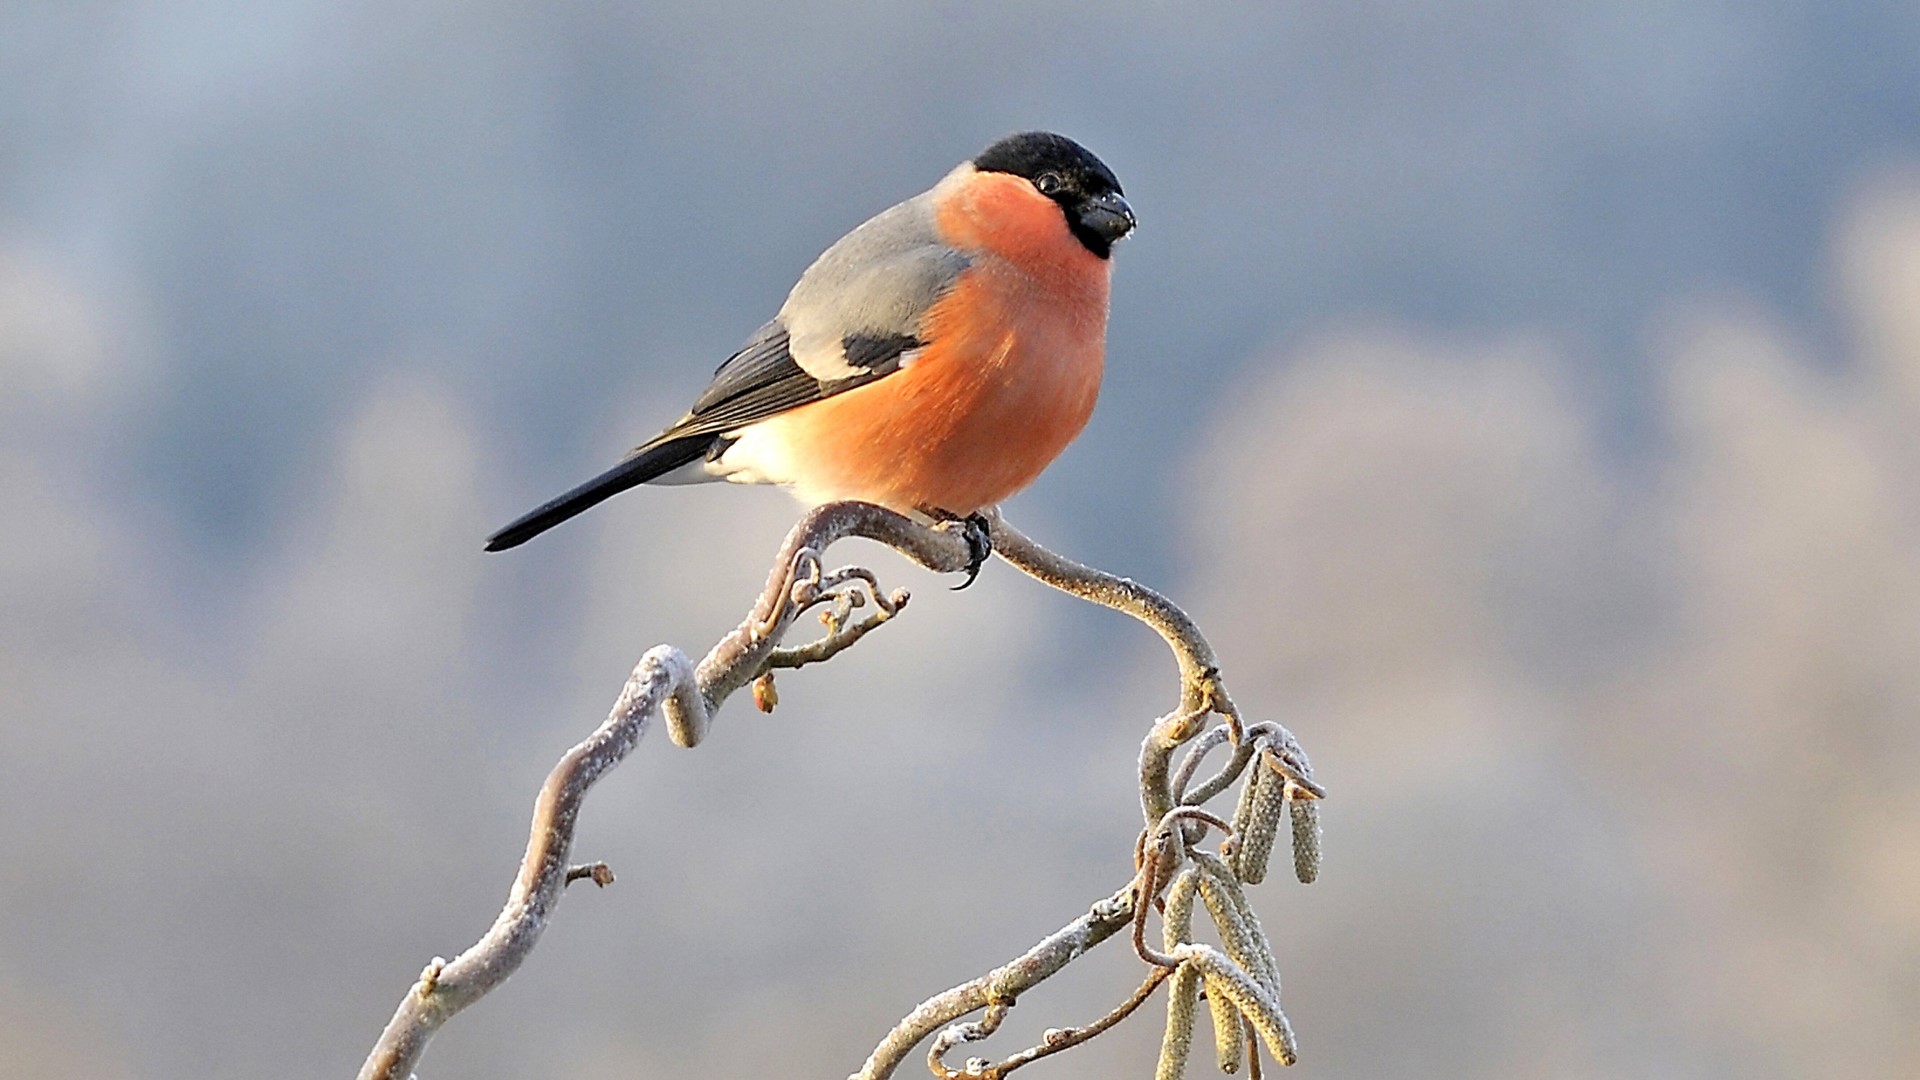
x: 934, y: 360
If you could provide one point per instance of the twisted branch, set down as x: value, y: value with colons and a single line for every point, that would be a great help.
x: 665, y: 680
x: 1002, y: 984
x: 1242, y: 987
x: 1174, y: 824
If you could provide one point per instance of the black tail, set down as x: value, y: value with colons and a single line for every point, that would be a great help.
x: 647, y: 463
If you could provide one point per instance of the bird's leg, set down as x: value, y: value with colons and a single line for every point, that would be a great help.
x: 974, y: 529
x: 979, y: 546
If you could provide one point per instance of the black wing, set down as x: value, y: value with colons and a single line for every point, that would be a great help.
x: 763, y: 380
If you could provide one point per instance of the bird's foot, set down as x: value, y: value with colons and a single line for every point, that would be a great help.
x: 974, y: 529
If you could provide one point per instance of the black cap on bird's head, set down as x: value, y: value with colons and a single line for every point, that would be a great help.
x: 1068, y: 173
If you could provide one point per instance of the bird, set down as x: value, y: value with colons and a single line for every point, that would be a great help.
x: 933, y: 361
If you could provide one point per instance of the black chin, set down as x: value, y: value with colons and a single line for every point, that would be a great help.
x: 1093, y: 240
x: 1100, y: 220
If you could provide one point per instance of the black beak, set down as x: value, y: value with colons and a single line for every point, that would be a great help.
x: 1106, y: 216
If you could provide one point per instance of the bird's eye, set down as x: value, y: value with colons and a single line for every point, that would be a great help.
x: 1049, y: 183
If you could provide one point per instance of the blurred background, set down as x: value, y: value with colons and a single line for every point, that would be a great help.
x: 1525, y: 397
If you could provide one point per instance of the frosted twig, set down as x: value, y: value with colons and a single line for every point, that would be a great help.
x: 663, y: 680
x: 840, y: 633
x: 688, y: 696
x: 955, y: 1034
x: 740, y: 657
x: 1200, y: 685
x: 1159, y: 859
x: 1243, y: 752
x: 1194, y: 814
x: 1004, y: 983
x: 1156, y: 755
x: 599, y: 873
x: 1058, y: 1039
x: 1294, y: 767
x: 1196, y: 753
x: 1166, y: 802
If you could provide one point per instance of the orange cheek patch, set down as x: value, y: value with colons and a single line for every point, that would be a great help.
x: 1005, y: 215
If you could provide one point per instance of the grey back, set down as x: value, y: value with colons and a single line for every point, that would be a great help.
x: 877, y: 281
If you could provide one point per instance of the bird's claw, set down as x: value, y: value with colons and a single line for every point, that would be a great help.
x: 979, y: 538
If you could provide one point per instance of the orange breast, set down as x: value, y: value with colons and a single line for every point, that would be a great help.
x: 1007, y: 381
